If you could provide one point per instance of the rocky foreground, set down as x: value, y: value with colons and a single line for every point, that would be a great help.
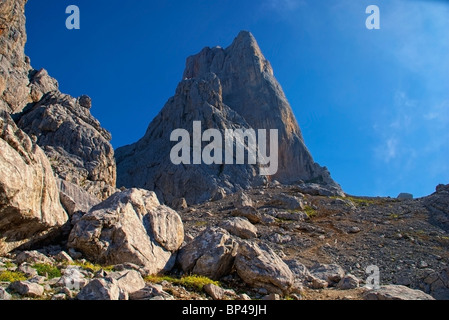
x: 274, y: 242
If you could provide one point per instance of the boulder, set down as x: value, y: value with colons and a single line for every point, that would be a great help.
x: 240, y: 227
x: 75, y: 199
x: 249, y: 213
x: 130, y: 226
x: 331, y: 273
x: 30, y: 210
x: 211, y: 254
x: 262, y: 268
x: 215, y: 292
x: 63, y: 257
x: 129, y: 281
x: 242, y: 200
x: 287, y: 202
x: 33, y: 257
x: 395, y: 292
x: 437, y: 284
x: 72, y: 279
x: 27, y: 289
x: 348, y: 282
x: 101, y: 290
x: 405, y: 196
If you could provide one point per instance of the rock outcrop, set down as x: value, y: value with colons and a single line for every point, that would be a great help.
x: 130, y: 227
x: 438, y: 205
x: 231, y: 88
x: 30, y: 209
x: 74, y: 141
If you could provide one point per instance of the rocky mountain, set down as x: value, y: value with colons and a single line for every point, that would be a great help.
x: 232, y: 88
x: 75, y: 142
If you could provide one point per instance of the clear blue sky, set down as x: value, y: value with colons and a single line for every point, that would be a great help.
x: 373, y: 105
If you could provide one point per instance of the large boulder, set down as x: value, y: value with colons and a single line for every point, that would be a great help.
x: 263, y: 268
x: 75, y: 199
x: 102, y: 290
x: 395, y: 292
x: 130, y: 226
x: 211, y: 254
x: 30, y: 209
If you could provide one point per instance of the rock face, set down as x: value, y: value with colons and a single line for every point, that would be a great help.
x: 130, y: 226
x: 231, y: 88
x: 211, y: 254
x: 30, y: 209
x: 262, y: 268
x: 438, y: 205
x: 74, y: 141
x: 14, y: 66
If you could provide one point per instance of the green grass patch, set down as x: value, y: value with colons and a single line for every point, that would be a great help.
x: 91, y: 267
x: 193, y: 282
x: 394, y: 216
x: 12, y: 276
x: 9, y: 264
x: 200, y: 223
x: 47, y: 270
x: 362, y: 202
x: 311, y: 212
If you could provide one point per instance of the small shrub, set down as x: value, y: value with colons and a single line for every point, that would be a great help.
x: 12, y: 276
x: 47, y: 270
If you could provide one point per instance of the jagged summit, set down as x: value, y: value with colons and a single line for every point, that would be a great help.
x: 225, y: 89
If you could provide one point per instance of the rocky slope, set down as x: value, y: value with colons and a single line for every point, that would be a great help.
x: 231, y: 88
x: 300, y: 246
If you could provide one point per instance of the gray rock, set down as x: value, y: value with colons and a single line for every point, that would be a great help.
x: 129, y: 281
x: 262, y: 268
x: 215, y: 292
x: 211, y: 254
x: 240, y: 227
x: 405, y: 196
x: 437, y: 284
x: 180, y: 204
x: 4, y: 295
x: 328, y: 190
x: 75, y: 199
x: 224, y: 89
x: 348, y: 282
x: 59, y: 297
x: 33, y: 257
x: 131, y: 226
x: 27, y: 288
x: 74, y: 141
x: 27, y: 270
x: 72, y: 279
x: 63, y: 257
x: 288, y: 202
x: 292, y: 216
x: 242, y: 200
x: 394, y: 292
x: 249, y: 213
x: 30, y: 210
x: 102, y: 289
x: 279, y: 238
x: 332, y: 273
x: 271, y: 297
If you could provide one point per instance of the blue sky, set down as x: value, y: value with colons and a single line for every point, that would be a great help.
x: 373, y: 105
